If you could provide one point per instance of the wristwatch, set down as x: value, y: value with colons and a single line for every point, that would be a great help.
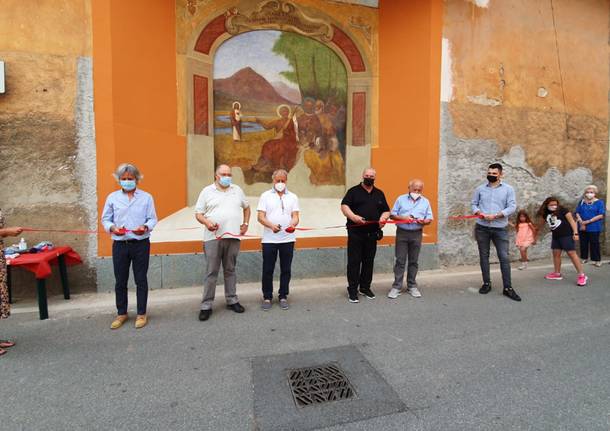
x: 244, y: 223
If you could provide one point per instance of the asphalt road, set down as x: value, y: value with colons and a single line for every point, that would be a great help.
x: 459, y: 360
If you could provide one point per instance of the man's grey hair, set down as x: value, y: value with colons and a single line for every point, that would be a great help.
x: 369, y: 169
x: 416, y: 181
x: 279, y: 172
x: 127, y: 168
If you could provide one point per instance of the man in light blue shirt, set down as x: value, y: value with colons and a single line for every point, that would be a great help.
x: 414, y: 211
x: 135, y: 213
x: 129, y: 215
x: 494, y: 202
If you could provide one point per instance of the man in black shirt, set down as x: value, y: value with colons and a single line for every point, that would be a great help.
x: 363, y: 203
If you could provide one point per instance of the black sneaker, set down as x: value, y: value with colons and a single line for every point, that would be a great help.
x: 237, y: 307
x: 205, y: 315
x: 368, y: 293
x: 511, y: 294
x: 485, y: 288
x: 353, y: 299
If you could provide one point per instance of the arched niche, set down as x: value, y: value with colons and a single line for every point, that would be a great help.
x: 271, y: 15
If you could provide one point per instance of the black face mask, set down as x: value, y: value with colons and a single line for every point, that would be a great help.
x: 492, y: 178
x: 368, y: 181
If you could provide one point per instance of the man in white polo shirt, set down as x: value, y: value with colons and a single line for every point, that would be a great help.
x: 223, y: 209
x: 278, y: 212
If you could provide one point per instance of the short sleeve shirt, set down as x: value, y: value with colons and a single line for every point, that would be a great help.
x: 420, y: 209
x: 558, y: 223
x: 278, y: 210
x: 368, y: 205
x: 222, y: 207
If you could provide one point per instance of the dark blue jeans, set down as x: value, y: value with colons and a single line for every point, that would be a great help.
x: 137, y: 254
x: 270, y: 253
x: 499, y: 236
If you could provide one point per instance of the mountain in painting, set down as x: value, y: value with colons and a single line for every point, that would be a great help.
x: 249, y: 88
x: 287, y: 92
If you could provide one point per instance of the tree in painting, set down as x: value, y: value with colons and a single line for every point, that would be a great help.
x: 316, y: 69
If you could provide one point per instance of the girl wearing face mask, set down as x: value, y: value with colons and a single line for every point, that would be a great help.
x: 565, y: 234
x: 590, y: 214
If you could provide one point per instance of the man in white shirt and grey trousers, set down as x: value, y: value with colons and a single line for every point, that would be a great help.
x: 223, y: 209
x: 278, y: 212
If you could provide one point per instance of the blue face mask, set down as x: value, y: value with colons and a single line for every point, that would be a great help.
x: 225, y: 181
x: 128, y: 185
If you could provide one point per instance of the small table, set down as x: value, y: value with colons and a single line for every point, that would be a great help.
x: 40, y: 265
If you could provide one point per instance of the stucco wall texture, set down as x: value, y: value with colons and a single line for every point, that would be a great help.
x: 525, y: 83
x: 47, y: 144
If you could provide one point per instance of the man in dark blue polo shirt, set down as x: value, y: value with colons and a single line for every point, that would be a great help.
x: 361, y: 204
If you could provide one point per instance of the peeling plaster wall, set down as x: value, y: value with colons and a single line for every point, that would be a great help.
x: 524, y: 84
x: 47, y: 139
x: 463, y: 165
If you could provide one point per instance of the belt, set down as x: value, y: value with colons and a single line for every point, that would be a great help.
x: 131, y: 240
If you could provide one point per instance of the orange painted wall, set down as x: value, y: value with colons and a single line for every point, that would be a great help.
x: 134, y: 57
x: 134, y: 67
x: 410, y: 38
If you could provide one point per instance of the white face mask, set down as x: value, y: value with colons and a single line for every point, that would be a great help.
x: 552, y: 208
x: 589, y: 195
x: 415, y: 196
x: 280, y: 187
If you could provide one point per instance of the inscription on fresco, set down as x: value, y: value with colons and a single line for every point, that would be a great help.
x: 278, y: 14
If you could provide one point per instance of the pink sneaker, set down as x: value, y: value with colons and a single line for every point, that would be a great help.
x: 554, y: 276
x: 582, y: 280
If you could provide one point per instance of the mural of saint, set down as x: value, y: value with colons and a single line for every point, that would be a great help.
x: 236, y: 121
x: 280, y: 152
x: 292, y: 93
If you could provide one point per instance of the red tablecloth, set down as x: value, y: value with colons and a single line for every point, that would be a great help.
x: 40, y: 263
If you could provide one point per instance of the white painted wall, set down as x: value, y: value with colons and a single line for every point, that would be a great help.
x: 446, y: 72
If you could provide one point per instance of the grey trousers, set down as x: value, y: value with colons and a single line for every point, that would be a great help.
x: 220, y: 251
x: 408, y: 244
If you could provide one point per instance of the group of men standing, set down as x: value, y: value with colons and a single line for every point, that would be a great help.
x: 223, y: 209
x: 367, y: 211
x: 129, y: 215
x: 225, y: 212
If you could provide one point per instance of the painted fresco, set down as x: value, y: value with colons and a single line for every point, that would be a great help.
x: 279, y: 100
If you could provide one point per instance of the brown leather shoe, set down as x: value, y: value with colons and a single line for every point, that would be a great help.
x: 141, y: 321
x: 118, y: 322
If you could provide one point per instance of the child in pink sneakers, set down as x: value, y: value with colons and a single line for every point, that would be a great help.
x: 565, y: 234
x: 526, y: 236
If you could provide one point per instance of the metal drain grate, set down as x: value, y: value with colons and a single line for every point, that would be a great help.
x: 319, y: 385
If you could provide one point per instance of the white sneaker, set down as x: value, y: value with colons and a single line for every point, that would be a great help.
x: 394, y: 293
x: 523, y: 266
x: 585, y: 260
x: 597, y: 264
x: 414, y: 292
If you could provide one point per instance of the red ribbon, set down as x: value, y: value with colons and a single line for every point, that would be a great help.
x: 83, y: 232
x: 234, y: 235
x: 366, y: 223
